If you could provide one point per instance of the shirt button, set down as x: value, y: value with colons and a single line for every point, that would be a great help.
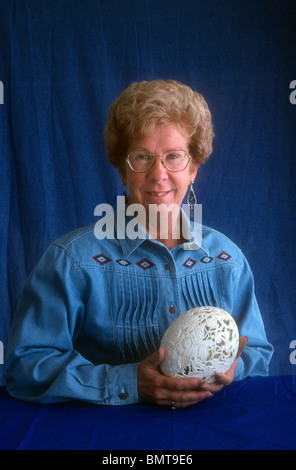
x: 122, y: 396
x: 167, y: 266
x: 172, y: 309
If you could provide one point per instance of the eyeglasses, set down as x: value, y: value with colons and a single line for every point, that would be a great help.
x: 173, y: 160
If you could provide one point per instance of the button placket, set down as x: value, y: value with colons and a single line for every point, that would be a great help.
x: 171, y: 289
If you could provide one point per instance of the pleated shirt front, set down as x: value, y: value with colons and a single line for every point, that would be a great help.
x: 92, y: 309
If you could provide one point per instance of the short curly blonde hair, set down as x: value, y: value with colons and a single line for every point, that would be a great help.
x: 143, y: 105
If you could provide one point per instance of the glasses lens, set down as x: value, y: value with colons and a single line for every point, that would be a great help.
x: 140, y: 161
x: 175, y: 160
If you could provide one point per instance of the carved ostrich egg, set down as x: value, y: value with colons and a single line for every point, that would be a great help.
x: 200, y: 343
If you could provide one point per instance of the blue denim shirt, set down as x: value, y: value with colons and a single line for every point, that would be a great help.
x: 92, y: 309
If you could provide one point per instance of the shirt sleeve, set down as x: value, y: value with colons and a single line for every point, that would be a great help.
x: 256, y: 357
x: 42, y: 364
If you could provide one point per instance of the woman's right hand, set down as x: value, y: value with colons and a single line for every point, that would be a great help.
x: 156, y: 388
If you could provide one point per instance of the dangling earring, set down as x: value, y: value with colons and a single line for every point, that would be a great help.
x: 124, y: 194
x: 191, y: 200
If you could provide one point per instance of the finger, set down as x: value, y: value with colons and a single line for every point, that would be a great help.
x: 216, y: 386
x: 242, y: 344
x: 186, y: 400
x: 155, y: 359
x: 184, y: 395
x: 224, y: 379
x: 182, y: 385
x: 185, y: 404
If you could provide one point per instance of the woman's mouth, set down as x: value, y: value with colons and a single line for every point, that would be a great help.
x: 157, y: 193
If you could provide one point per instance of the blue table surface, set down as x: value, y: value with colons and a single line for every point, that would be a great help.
x: 258, y: 413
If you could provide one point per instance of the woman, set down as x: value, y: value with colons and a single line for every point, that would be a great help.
x: 92, y: 314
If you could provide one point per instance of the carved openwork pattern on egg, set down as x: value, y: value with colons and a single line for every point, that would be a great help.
x: 200, y: 343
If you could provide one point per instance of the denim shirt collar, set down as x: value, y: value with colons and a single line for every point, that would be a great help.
x: 191, y: 230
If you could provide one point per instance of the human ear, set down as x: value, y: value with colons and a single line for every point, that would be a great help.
x: 193, y: 172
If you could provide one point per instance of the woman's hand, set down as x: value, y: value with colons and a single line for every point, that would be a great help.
x: 154, y: 387
x: 222, y: 380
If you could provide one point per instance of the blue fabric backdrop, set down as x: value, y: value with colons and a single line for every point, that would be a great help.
x: 63, y: 62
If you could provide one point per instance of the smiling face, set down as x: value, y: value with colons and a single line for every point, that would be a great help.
x: 159, y: 185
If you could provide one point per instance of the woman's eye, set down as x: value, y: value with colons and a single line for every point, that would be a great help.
x: 173, y: 156
x: 140, y: 157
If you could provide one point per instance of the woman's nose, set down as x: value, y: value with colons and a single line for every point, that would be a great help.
x: 158, y: 170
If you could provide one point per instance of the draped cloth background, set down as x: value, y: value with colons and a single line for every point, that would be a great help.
x: 63, y: 62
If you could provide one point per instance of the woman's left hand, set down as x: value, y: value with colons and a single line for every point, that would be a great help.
x: 222, y: 380
x: 154, y: 387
